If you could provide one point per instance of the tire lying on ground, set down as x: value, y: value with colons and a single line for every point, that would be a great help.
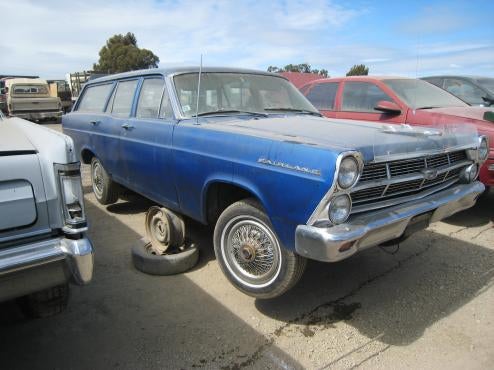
x: 171, y: 263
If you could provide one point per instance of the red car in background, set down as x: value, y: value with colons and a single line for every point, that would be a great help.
x: 399, y: 100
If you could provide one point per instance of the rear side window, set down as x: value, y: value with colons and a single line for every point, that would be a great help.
x: 322, y: 95
x: 122, y: 101
x: 362, y: 97
x: 94, y: 98
x: 148, y: 105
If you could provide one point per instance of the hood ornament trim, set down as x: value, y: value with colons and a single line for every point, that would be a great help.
x: 408, y: 130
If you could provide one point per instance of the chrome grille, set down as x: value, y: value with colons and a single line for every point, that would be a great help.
x: 373, y: 171
x: 370, y: 193
x: 403, y: 186
x: 381, y: 182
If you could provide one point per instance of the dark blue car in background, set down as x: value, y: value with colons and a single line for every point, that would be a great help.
x: 244, y: 151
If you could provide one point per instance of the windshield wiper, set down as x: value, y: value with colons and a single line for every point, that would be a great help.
x: 222, y: 111
x: 303, y: 111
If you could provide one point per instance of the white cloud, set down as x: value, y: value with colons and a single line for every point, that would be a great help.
x: 53, y: 37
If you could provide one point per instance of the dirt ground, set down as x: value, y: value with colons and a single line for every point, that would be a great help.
x: 429, y: 305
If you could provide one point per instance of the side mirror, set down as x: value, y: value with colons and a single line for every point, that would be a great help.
x: 386, y: 106
x: 488, y: 100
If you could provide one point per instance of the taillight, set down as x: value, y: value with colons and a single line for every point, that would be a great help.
x: 72, y: 197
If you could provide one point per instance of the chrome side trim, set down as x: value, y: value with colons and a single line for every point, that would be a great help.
x: 288, y: 166
x: 323, y: 204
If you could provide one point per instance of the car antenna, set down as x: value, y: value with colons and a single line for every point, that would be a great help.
x: 198, y: 91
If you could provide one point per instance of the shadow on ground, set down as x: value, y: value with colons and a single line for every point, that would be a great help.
x: 126, y: 319
x: 392, y: 297
x: 481, y: 214
x: 131, y: 320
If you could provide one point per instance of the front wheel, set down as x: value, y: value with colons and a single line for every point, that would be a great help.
x: 251, y: 255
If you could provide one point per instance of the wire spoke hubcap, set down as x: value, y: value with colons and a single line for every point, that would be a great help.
x: 251, y: 251
x: 97, y: 179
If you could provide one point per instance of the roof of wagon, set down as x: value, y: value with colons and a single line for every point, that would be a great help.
x: 179, y: 70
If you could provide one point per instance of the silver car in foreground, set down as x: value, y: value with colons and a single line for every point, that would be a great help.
x: 43, y: 245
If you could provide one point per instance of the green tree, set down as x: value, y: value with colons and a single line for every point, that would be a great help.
x: 121, y: 54
x: 358, y: 70
x: 302, y: 68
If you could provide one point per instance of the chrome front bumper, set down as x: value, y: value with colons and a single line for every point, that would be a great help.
x: 366, y: 230
x: 43, y: 264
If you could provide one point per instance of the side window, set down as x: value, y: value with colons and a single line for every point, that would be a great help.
x: 94, y: 98
x: 322, y: 95
x: 362, y: 97
x: 122, y: 102
x: 166, y: 110
x: 148, y: 105
x: 464, y: 90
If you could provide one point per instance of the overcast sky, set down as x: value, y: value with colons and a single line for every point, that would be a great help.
x: 50, y: 38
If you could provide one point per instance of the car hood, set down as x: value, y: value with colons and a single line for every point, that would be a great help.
x: 14, y: 141
x: 376, y: 141
x: 477, y: 113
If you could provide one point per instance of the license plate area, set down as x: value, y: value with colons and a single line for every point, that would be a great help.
x: 418, y: 223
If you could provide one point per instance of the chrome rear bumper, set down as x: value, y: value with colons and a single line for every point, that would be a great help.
x: 37, y: 115
x: 374, y: 228
x: 42, y: 264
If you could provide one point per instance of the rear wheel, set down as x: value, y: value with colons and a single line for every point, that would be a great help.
x: 251, y: 255
x: 104, y: 189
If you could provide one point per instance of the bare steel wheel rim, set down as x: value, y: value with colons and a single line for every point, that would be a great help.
x: 97, y: 173
x: 251, y: 251
x: 158, y: 230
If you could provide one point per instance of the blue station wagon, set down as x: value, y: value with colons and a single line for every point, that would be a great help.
x: 245, y: 151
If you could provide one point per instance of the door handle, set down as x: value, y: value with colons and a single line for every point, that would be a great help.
x: 94, y: 123
x: 127, y: 126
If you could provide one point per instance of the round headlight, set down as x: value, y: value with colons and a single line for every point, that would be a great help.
x: 473, y: 172
x: 483, y: 149
x: 348, y: 172
x: 469, y: 173
x: 339, y: 209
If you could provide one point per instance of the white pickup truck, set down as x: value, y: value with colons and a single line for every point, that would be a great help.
x: 29, y: 98
x: 43, y: 245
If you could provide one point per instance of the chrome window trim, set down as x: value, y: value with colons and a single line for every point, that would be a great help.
x: 176, y: 102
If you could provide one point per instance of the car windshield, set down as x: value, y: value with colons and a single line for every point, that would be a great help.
x: 486, y: 83
x: 239, y: 93
x: 419, y: 94
x: 29, y: 89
